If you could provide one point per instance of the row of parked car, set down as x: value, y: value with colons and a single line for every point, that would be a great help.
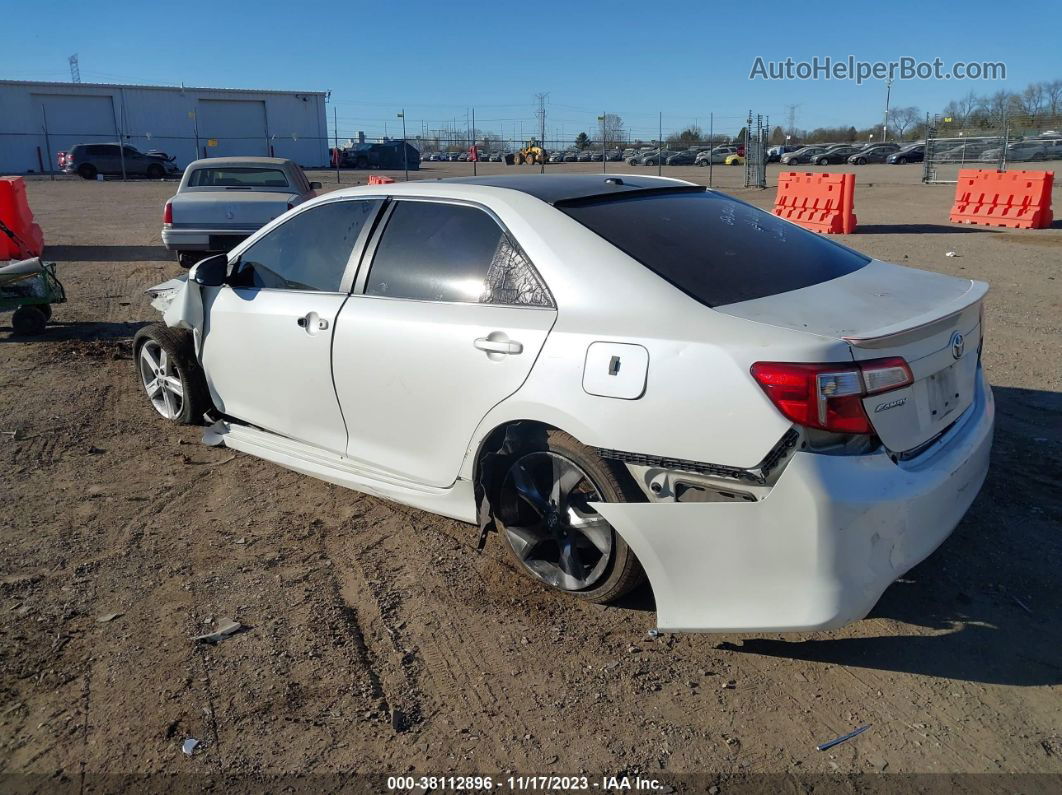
x: 853, y: 154
x: 989, y: 150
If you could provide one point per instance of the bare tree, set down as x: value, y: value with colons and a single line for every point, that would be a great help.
x: 1031, y: 101
x: 688, y: 137
x: 901, y: 119
x: 613, y: 129
x: 1053, y: 97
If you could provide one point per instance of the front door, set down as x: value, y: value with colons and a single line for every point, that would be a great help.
x: 267, y: 341
x: 447, y: 323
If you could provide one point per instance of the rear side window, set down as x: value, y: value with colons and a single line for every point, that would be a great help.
x: 309, y: 252
x: 714, y: 248
x: 435, y: 251
x: 238, y: 178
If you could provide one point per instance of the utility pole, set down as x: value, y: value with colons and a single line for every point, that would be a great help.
x: 604, y: 157
x: 405, y: 146
x: 711, y: 145
x: 790, y: 114
x: 885, y: 123
x: 542, y: 130
x: 335, y: 122
x: 660, y: 148
x: 474, y: 162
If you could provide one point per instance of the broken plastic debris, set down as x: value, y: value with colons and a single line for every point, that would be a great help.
x: 189, y: 746
x: 950, y: 254
x: 107, y: 617
x: 226, y: 627
x: 214, y: 435
x: 842, y: 738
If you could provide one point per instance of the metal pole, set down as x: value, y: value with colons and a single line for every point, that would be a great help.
x: 604, y: 160
x: 474, y: 162
x: 542, y: 135
x: 195, y: 127
x: 405, y: 146
x: 335, y: 122
x: 48, y: 144
x: 711, y: 145
x: 121, y: 137
x: 885, y: 123
x: 660, y: 148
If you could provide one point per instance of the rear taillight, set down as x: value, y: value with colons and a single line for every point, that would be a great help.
x: 167, y: 214
x: 830, y: 396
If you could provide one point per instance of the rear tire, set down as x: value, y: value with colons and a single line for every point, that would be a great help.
x: 824, y: 162
x: 155, y: 171
x: 86, y: 171
x: 170, y: 374
x: 29, y: 321
x: 610, y: 573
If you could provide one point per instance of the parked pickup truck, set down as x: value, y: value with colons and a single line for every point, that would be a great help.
x: 222, y: 201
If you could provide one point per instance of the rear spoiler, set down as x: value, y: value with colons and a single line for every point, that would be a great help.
x: 887, y: 334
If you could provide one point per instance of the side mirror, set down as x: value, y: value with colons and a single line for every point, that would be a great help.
x: 315, y: 185
x: 212, y: 271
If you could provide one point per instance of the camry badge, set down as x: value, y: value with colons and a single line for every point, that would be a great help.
x: 889, y: 405
x: 958, y: 345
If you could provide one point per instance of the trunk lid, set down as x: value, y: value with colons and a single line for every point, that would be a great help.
x: 230, y: 209
x: 933, y: 321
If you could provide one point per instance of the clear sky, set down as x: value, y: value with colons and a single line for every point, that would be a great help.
x: 438, y: 60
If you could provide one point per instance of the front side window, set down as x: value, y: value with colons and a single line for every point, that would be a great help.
x: 434, y: 251
x: 308, y: 252
x: 238, y: 178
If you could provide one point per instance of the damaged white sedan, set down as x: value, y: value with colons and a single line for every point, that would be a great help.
x: 625, y: 376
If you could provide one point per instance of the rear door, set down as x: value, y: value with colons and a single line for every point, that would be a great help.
x: 267, y: 341
x: 445, y: 322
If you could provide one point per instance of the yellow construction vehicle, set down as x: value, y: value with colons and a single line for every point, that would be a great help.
x: 531, y: 154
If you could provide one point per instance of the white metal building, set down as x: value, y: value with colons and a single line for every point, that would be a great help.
x: 40, y: 119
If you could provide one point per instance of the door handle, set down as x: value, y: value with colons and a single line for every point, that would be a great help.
x: 312, y: 323
x: 498, y: 346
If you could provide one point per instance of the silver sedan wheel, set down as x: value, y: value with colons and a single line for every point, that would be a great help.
x: 162, y: 380
x: 554, y: 532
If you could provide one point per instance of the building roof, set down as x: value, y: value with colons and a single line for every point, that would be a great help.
x: 55, y: 84
x: 557, y: 188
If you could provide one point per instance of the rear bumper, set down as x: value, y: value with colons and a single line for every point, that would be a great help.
x: 178, y: 239
x: 821, y: 548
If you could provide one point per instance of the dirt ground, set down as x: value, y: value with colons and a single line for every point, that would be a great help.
x: 379, y: 641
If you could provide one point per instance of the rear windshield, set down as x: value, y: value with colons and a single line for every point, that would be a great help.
x: 714, y: 248
x: 238, y: 178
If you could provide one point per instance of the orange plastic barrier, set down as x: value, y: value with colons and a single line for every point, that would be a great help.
x: 1017, y: 199
x: 819, y: 202
x: 15, y: 212
x: 375, y: 180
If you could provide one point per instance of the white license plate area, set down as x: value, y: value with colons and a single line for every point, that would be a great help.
x: 948, y: 393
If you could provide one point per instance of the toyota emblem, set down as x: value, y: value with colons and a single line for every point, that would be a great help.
x: 958, y: 345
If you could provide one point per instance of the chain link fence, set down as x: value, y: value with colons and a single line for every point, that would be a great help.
x: 1009, y: 146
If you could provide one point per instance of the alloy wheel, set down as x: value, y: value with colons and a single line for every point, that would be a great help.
x: 550, y: 525
x: 162, y: 380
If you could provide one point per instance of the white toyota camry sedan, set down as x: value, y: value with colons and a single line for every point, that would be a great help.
x: 623, y: 376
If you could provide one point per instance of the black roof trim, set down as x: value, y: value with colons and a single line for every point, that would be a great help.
x: 558, y: 189
x: 630, y: 194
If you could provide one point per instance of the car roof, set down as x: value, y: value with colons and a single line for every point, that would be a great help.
x: 556, y: 188
x: 231, y: 161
